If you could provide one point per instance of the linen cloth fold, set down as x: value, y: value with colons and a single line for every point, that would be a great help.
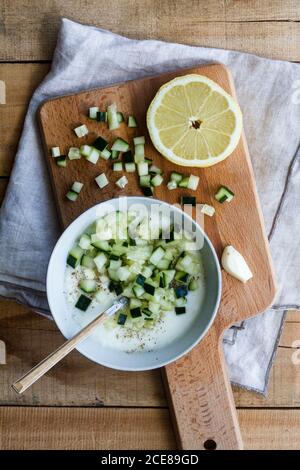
x: 269, y: 95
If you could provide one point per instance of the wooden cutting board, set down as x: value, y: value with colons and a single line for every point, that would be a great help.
x: 199, y: 391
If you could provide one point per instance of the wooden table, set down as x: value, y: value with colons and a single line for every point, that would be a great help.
x: 102, y: 408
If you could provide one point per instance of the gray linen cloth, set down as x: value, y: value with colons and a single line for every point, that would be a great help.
x: 268, y: 92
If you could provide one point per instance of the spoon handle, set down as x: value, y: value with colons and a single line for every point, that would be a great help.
x: 46, y: 364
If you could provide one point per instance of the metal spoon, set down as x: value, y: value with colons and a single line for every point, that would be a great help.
x: 46, y: 364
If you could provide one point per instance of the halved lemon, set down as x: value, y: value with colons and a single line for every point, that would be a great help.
x: 192, y: 121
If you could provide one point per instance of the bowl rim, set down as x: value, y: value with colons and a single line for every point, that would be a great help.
x: 160, y: 364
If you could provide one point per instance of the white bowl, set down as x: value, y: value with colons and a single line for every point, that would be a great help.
x: 91, y: 347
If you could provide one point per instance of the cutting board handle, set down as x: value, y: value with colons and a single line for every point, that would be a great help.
x: 201, y: 400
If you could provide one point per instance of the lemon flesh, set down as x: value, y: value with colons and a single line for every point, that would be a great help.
x: 192, y: 121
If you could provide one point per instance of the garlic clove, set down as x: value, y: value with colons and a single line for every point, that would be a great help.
x: 235, y: 265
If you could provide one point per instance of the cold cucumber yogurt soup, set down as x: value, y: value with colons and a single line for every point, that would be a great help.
x: 146, y: 258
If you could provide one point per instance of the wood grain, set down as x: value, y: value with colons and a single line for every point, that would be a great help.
x: 85, y: 428
x: 267, y: 28
x: 76, y: 381
x: 121, y: 429
x: 92, y: 385
x: 30, y: 337
x: 21, y: 80
x: 270, y: 429
x: 58, y: 117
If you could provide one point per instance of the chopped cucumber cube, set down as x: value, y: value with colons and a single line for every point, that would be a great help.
x: 85, y: 242
x: 88, y: 285
x: 145, y: 181
x: 105, y: 154
x: 81, y: 131
x: 149, y: 288
x: 140, y: 279
x: 172, y: 185
x: 101, y: 116
x: 135, y: 312
x: 112, y: 117
x: 122, y: 182
x: 182, y: 276
x: 118, y: 166
x: 55, y: 152
x: 139, y: 140
x: 193, y: 182
x: 83, y: 302
x: 74, y: 256
x: 74, y: 153
x: 115, y: 264
x: 139, y: 153
x: 157, y: 255
x: 224, y: 194
x: 180, y: 310
x: 121, y: 145
x: 77, y: 187
x: 188, y: 200
x: 122, y: 319
x: 132, y: 122
x: 138, y: 291
x: 155, y: 169
x: 101, y: 180
x: 85, y: 150
x: 208, y: 210
x: 93, y: 157
x: 100, y: 144
x: 61, y: 161
x: 130, y: 167
x: 163, y: 264
x: 100, y: 260
x: 181, y: 291
x: 115, y: 154
x: 127, y: 157
x: 87, y: 262
x: 177, y: 177
x: 193, y: 285
x: 157, y: 180
x: 123, y: 273
x: 120, y: 117
x: 72, y: 196
x: 184, y: 182
x: 93, y: 112
x: 148, y: 192
x: 102, y: 245
x: 142, y: 168
x: 115, y: 287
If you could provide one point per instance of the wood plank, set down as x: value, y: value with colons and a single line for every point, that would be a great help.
x: 268, y: 10
x: 76, y: 381
x: 291, y: 334
x: 214, y: 24
x: 21, y: 329
x: 99, y: 429
x: 275, y: 40
x: 293, y: 316
x: 21, y: 80
x: 270, y: 429
x: 85, y: 428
